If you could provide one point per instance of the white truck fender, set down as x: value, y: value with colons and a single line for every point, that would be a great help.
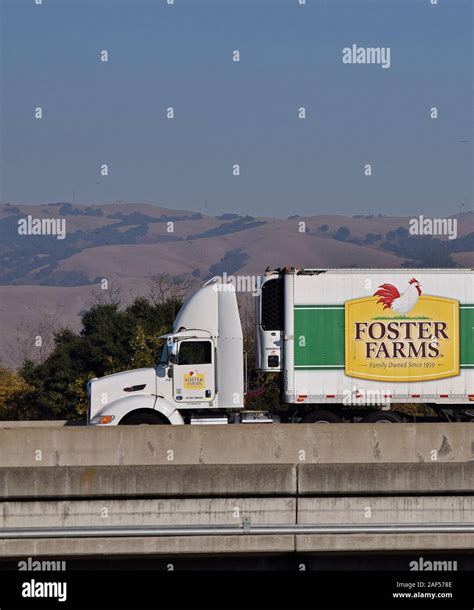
x: 169, y: 411
x: 124, y: 406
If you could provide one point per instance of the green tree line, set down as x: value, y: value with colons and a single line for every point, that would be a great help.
x: 110, y: 340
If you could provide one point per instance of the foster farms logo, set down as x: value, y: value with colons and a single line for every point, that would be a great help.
x: 402, y: 335
x: 193, y: 381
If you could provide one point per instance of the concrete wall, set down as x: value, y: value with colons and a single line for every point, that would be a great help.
x: 148, y: 481
x: 170, y: 546
x: 386, y: 479
x: 213, y: 495
x: 200, y: 475
x: 245, y: 444
x: 236, y: 480
x: 388, y: 510
x: 136, y: 512
x: 41, y: 423
x: 391, y: 510
x: 357, y: 543
x: 144, y: 546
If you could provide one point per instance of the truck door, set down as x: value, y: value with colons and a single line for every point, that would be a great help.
x: 194, y: 372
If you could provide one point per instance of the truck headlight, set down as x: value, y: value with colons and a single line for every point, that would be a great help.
x: 102, y: 419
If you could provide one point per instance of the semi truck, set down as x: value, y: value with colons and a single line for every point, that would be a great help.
x: 346, y: 345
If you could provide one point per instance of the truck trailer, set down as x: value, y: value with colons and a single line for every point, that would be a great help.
x: 346, y: 345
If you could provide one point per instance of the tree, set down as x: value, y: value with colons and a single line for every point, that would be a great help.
x: 111, y: 340
x: 402, y: 232
x: 145, y: 347
x: 342, y: 233
x: 34, y: 342
x: 371, y: 238
x: 12, y: 386
x: 324, y: 228
x: 109, y: 293
x: 163, y: 287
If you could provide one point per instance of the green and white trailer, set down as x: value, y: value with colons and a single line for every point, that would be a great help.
x: 364, y: 337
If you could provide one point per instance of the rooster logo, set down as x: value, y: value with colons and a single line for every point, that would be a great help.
x: 401, y: 303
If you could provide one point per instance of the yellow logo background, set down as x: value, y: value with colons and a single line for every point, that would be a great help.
x: 427, y: 309
x: 194, y: 382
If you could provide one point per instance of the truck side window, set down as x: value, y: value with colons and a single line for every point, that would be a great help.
x: 195, y: 352
x: 164, y: 355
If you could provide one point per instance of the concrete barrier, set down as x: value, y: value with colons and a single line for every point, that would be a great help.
x: 174, y: 546
x: 245, y: 444
x: 167, y: 546
x: 389, y: 510
x: 242, y: 495
x: 148, y: 481
x: 171, y: 546
x: 386, y: 479
x: 163, y: 512
x: 357, y: 543
x: 212, y: 480
x: 41, y: 423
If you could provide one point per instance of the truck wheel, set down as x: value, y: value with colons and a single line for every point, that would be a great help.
x: 142, y: 418
x: 382, y: 417
x: 322, y: 417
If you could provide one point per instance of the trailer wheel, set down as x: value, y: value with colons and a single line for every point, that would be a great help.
x: 322, y: 417
x: 142, y: 418
x: 382, y: 417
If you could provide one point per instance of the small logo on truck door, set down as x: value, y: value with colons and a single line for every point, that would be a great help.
x: 194, y: 381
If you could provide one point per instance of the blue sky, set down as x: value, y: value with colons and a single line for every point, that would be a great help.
x: 244, y: 112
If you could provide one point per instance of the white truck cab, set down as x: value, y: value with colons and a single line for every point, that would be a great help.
x: 188, y: 382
